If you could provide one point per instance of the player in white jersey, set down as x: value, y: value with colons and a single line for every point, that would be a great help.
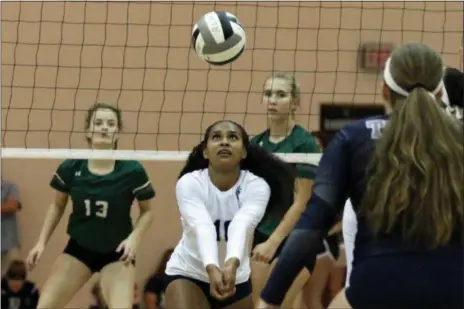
x: 225, y: 189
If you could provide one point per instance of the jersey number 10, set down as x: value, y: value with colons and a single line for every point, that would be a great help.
x: 100, y: 208
x: 217, y: 225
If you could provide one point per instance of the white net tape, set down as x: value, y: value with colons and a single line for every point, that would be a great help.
x: 139, y: 155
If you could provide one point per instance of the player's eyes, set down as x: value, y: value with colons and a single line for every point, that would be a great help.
x: 215, y: 137
x: 279, y: 94
x: 233, y: 137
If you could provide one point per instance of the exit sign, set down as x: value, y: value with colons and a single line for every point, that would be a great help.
x: 372, y: 56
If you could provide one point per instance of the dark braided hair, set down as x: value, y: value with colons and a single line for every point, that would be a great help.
x: 279, y: 175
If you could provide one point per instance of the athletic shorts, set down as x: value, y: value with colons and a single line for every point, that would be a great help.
x: 330, y: 247
x: 242, y: 291
x: 95, y: 261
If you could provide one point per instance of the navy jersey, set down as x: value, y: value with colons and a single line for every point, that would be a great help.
x: 341, y: 171
x: 341, y: 175
x: 406, y: 270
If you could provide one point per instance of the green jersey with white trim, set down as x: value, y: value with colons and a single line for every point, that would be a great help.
x: 299, y: 141
x: 100, y: 218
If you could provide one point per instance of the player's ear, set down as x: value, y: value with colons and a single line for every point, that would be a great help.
x: 115, y: 140
x: 205, y: 154
x: 88, y: 134
x: 295, y: 105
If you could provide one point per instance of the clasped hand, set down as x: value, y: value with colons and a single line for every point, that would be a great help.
x: 222, y: 281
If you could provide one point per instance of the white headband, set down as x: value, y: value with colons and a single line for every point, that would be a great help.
x: 387, y: 76
x: 452, y: 111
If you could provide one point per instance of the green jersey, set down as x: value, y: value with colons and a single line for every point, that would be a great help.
x: 299, y: 141
x: 100, y: 218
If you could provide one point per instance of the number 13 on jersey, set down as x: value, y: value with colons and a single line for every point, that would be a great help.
x: 97, y: 208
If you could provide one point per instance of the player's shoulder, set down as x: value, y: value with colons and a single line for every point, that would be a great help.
x: 131, y: 165
x: 305, y: 141
x: 196, y: 179
x: 363, y: 128
x: 361, y: 134
x: 299, y: 131
x: 259, y: 137
x: 195, y: 176
x: 252, y: 181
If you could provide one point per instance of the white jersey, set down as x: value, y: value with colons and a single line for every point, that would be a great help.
x: 209, y: 215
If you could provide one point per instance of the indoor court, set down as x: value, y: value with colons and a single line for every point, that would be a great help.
x: 59, y: 58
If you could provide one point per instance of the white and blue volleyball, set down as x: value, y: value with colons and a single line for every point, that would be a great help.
x: 218, y: 38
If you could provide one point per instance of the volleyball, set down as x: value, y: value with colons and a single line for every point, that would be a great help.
x: 218, y: 38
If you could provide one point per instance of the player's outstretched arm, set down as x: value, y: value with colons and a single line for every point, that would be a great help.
x: 304, y: 242
x: 289, y: 221
x: 61, y: 182
x: 144, y: 220
x: 144, y: 194
x: 195, y: 214
x: 254, y: 203
x: 53, y: 216
x: 128, y: 247
x: 304, y: 184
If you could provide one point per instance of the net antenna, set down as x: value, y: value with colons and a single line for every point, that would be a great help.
x: 59, y: 58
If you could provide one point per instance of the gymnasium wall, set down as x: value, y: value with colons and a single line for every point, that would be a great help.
x: 59, y: 58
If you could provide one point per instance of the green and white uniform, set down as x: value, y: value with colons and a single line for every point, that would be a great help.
x: 101, y: 205
x: 299, y: 141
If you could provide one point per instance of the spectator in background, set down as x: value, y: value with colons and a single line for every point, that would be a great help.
x: 17, y: 291
x: 9, y: 227
x: 153, y: 294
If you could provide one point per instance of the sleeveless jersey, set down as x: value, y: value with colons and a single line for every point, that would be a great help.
x: 100, y: 218
x: 214, y: 220
x: 299, y: 141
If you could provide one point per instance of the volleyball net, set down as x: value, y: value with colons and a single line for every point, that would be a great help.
x: 59, y: 58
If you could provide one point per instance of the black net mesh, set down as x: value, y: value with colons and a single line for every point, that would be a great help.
x: 58, y: 58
